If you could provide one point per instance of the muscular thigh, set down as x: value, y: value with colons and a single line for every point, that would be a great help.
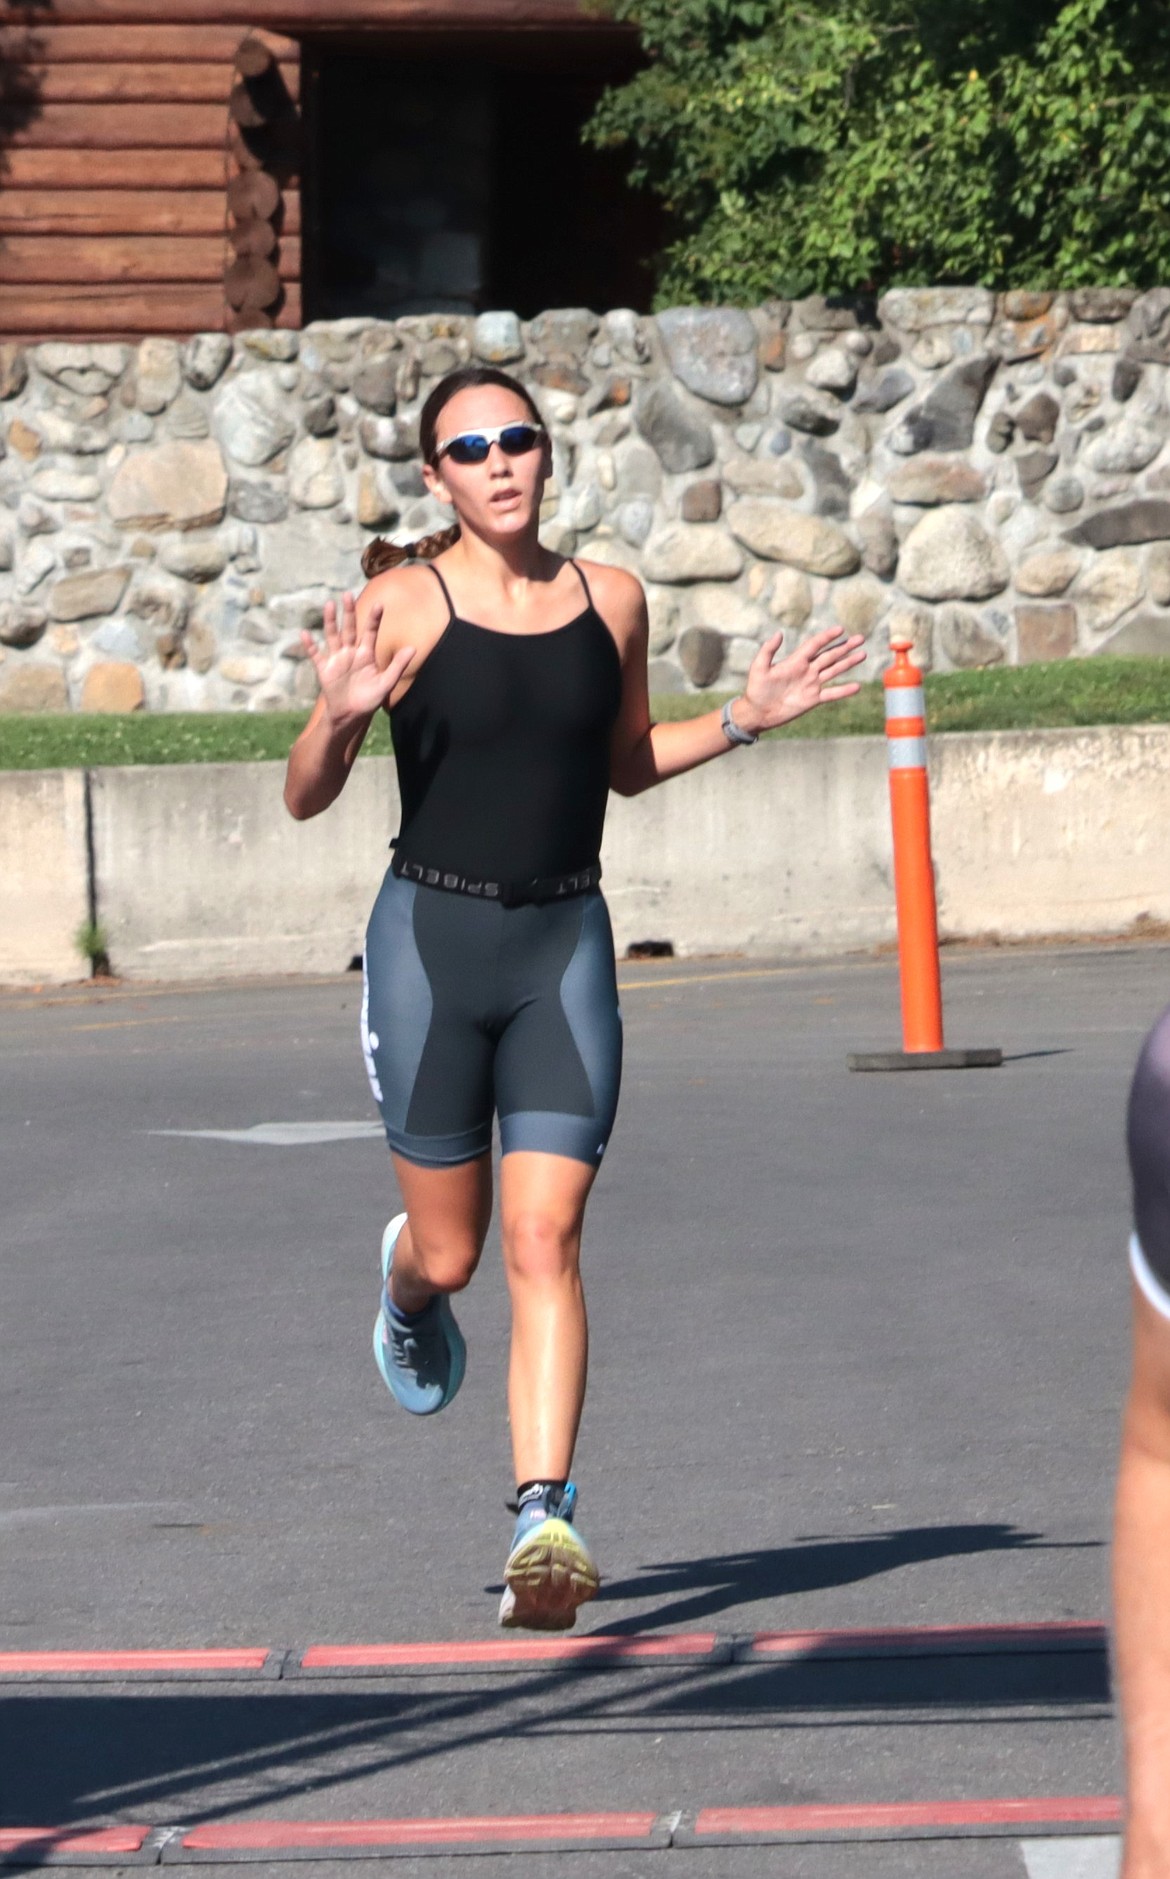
x: 425, y: 1025
x: 557, y: 1068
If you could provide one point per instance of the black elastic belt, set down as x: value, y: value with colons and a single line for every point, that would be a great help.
x: 506, y: 893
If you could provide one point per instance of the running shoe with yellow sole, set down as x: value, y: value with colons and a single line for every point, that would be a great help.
x: 550, y: 1571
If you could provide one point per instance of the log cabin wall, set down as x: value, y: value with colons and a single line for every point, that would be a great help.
x: 114, y: 178
x: 117, y: 150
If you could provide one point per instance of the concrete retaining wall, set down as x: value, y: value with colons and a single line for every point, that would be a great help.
x: 1040, y: 832
x: 790, y: 851
x: 44, y: 895
x: 199, y: 871
x: 202, y: 872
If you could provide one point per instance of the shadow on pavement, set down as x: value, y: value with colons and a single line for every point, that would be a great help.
x: 702, y: 1589
x: 69, y: 1757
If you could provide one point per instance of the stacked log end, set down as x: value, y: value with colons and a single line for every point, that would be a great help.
x: 262, y: 155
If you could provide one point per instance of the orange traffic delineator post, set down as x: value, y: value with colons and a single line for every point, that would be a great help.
x: 922, y: 1015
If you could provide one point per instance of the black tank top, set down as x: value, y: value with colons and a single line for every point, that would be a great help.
x: 503, y: 748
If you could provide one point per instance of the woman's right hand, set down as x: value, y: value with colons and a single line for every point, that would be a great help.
x: 353, y: 686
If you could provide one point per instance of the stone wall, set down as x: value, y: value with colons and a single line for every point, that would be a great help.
x: 990, y: 474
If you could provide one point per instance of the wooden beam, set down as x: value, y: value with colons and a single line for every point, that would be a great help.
x: 83, y: 168
x: 123, y: 212
x: 131, y: 45
x: 124, y: 127
x: 254, y: 58
x: 43, y: 260
x: 258, y: 102
x: 85, y: 307
x: 122, y: 313
x: 158, y: 82
x: 253, y: 194
x: 275, y: 148
x: 252, y: 238
x: 251, y: 281
x: 291, y: 16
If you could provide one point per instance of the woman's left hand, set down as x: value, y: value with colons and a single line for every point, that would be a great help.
x: 776, y: 693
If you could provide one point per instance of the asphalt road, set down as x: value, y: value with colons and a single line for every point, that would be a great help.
x: 859, y: 1347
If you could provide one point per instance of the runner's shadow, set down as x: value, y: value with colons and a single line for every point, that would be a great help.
x: 701, y: 1589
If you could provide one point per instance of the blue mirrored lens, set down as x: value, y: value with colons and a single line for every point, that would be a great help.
x: 470, y: 449
x: 518, y: 439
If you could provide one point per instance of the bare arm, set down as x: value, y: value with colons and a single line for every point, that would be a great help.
x: 645, y: 753
x: 353, y: 688
x: 1141, y: 1587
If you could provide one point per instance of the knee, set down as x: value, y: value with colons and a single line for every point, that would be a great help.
x: 539, y: 1247
x: 447, y: 1263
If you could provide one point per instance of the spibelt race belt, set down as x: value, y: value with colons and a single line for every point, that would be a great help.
x: 505, y: 893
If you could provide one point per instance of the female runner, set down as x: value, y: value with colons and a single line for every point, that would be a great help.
x: 516, y: 686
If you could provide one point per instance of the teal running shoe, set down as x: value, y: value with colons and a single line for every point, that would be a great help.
x: 550, y: 1571
x: 422, y: 1363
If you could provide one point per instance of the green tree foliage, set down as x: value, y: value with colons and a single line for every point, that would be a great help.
x: 806, y: 146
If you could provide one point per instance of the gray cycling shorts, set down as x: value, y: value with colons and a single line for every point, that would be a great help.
x: 472, y: 1009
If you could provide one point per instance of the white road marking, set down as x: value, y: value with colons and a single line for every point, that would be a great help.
x: 283, y: 1134
x: 74, y: 1510
x: 1091, y: 1857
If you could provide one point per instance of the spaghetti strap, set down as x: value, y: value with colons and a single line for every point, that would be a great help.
x: 584, y: 583
x: 446, y: 590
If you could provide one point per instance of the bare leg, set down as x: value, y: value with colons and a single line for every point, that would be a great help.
x: 1141, y: 1583
x: 542, y: 1204
x: 1141, y: 1573
x: 448, y: 1212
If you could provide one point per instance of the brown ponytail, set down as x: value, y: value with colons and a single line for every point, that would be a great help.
x: 381, y: 554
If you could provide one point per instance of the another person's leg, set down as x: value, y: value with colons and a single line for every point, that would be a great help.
x: 1141, y: 1561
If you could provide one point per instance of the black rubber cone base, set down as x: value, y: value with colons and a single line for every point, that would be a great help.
x: 986, y: 1059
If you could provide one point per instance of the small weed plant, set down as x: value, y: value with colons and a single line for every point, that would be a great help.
x: 92, y: 942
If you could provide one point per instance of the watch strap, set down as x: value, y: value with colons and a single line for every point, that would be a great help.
x: 733, y: 732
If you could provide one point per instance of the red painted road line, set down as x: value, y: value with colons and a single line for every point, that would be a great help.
x: 1068, y: 1810
x: 502, y: 1829
x: 34, y: 1840
x: 40, y: 1663
x: 506, y: 1651
x: 933, y: 1639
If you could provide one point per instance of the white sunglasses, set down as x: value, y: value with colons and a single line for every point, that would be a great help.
x: 515, y: 440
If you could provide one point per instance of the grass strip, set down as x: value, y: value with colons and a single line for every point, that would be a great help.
x: 1010, y: 698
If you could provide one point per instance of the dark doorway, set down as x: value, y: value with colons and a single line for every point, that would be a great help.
x: 453, y: 178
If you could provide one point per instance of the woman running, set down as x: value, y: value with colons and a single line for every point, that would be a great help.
x: 516, y: 684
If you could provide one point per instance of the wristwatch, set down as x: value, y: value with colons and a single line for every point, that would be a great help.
x: 733, y: 732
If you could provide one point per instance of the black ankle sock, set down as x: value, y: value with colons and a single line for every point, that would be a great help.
x: 532, y: 1490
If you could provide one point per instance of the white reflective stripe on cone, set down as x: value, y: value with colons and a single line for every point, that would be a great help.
x: 905, y: 701
x: 907, y: 753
